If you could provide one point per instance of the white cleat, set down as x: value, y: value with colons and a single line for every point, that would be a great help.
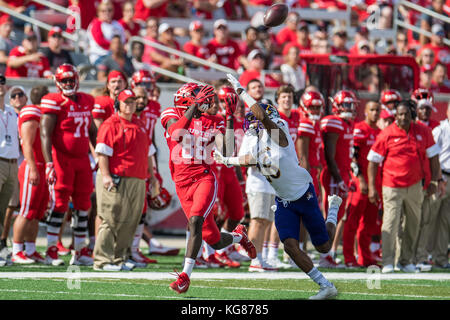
x: 264, y: 266
x: 279, y: 264
x: 334, y: 201
x: 325, y: 293
x: 81, y: 258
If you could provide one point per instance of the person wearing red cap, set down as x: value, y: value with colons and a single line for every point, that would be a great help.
x: 104, y: 104
x: 123, y: 152
x: 55, y: 54
x: 195, y: 45
x: 255, y: 65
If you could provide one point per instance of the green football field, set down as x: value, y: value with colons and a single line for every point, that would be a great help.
x: 41, y: 282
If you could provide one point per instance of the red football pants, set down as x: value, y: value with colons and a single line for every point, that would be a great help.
x: 73, y: 179
x: 33, y: 199
x: 361, y: 221
x: 197, y: 199
x: 330, y: 187
x: 230, y: 194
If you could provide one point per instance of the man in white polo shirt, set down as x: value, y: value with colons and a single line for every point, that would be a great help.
x: 9, y: 153
x: 441, y: 135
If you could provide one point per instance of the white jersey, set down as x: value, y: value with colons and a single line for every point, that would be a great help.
x: 280, y: 165
x: 255, y: 182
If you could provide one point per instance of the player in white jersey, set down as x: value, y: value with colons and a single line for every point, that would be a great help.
x: 275, y: 156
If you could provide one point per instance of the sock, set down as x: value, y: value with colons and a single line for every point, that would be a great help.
x: 273, y: 251
x: 137, y: 237
x: 17, y: 247
x: 208, y: 250
x: 374, y: 246
x: 301, y: 245
x: 52, y: 239
x: 332, y: 215
x: 30, y: 248
x: 78, y: 242
x: 188, y: 266
x: 54, y: 222
x: 318, y: 278
x: 265, y: 249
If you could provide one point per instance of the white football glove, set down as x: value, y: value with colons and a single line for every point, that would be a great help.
x: 235, y: 83
x: 220, y: 159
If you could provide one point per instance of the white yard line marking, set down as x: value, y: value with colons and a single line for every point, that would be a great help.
x: 218, y: 275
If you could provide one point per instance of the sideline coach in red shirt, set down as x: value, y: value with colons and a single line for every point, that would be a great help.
x: 402, y: 148
x: 122, y: 149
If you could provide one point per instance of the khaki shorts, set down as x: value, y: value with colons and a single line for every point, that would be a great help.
x: 14, y: 201
x: 260, y: 204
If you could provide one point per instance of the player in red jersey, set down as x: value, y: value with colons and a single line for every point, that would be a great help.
x: 66, y: 130
x: 191, y: 137
x: 104, y: 104
x: 33, y: 187
x: 337, y: 132
x: 361, y: 214
x: 424, y: 99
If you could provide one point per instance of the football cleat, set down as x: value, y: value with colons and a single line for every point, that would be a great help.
x: 325, y: 293
x: 213, y: 262
x: 388, y: 269
x: 62, y: 251
x: 21, y: 258
x: 180, y: 285
x: 245, y: 241
x: 328, y: 262
x: 138, y: 256
x: 353, y: 265
x: 200, y: 263
x: 277, y: 263
x: 237, y: 253
x: 223, y: 257
x: 108, y: 267
x: 156, y: 248
x: 82, y: 258
x: 51, y: 257
x: 264, y: 266
x: 36, y: 257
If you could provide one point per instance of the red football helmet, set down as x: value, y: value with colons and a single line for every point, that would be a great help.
x: 423, y: 97
x: 310, y: 100
x: 161, y: 201
x: 344, y: 104
x: 66, y: 79
x: 389, y: 96
x: 185, y: 96
x: 143, y: 78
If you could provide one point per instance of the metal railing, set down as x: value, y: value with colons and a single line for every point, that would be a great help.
x: 181, y: 54
x: 69, y: 12
x: 413, y: 6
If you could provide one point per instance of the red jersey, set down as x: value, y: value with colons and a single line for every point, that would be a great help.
x: 143, y: 13
x: 403, y: 154
x: 286, y: 35
x: 311, y: 129
x: 103, y: 107
x: 430, y: 124
x: 344, y: 145
x: 29, y: 113
x: 301, y: 49
x: 193, y: 154
x: 293, y: 122
x: 126, y: 144
x: 71, y: 133
x: 227, y: 54
x: 364, y: 137
x: 133, y: 31
x: 39, y: 69
x: 200, y: 51
x: 149, y: 115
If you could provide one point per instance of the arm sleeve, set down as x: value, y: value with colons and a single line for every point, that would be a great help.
x: 105, y: 140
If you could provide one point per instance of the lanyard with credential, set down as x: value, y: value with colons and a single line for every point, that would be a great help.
x: 5, y: 123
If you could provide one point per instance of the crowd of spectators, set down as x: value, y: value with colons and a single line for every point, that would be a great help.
x: 110, y: 24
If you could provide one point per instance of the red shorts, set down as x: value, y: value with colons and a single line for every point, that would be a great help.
x: 33, y: 199
x: 73, y: 179
x: 197, y: 199
x: 330, y: 187
x: 230, y: 194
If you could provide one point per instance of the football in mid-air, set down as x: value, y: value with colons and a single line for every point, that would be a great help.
x: 276, y: 15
